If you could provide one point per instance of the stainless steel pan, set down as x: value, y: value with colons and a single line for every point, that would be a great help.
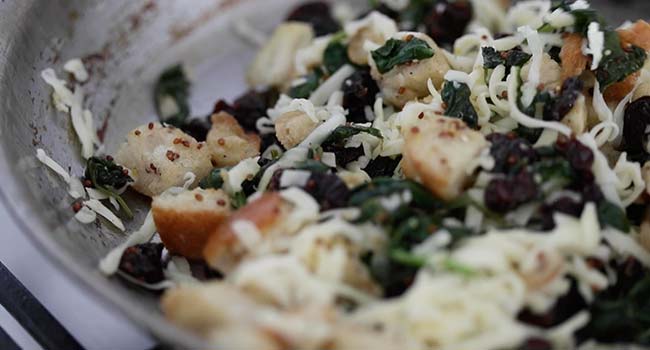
x: 127, y: 44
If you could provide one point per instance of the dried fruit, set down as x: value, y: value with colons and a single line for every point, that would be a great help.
x: 318, y: 14
x: 144, y: 262
x: 359, y: 91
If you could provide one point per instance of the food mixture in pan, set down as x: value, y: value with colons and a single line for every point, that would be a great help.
x: 427, y: 174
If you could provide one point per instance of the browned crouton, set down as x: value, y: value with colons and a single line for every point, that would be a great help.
x: 228, y: 143
x: 186, y: 220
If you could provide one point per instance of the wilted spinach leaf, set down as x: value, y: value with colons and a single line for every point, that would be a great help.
x: 213, y: 180
x: 335, y: 56
x: 108, y: 178
x: 396, y: 52
x: 584, y: 17
x: 610, y: 214
x: 311, y: 83
x: 172, y: 89
x: 620, y: 63
x: 457, y: 98
x: 344, y: 132
x: 621, y: 315
x: 511, y: 58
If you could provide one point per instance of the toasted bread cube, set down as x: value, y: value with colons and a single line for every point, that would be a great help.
x: 437, y: 153
x: 159, y: 157
x: 229, y: 143
x: 576, y: 119
x: 574, y: 61
x: 202, y: 308
x: 225, y: 248
x: 186, y: 220
x: 550, y: 72
x: 292, y: 128
x: 274, y: 64
x: 638, y: 35
x: 407, y: 82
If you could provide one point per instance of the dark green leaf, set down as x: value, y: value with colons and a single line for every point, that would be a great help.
x: 313, y: 166
x: 238, y: 200
x: 335, y: 56
x: 407, y: 258
x: 511, y: 58
x: 109, y: 178
x: 397, y: 52
x: 610, y: 214
x: 213, y: 180
x: 619, y: 64
x: 585, y: 17
x: 553, y: 169
x: 344, y: 132
x: 621, y: 314
x: 173, y: 84
x: 541, y: 99
x: 304, y: 90
x: 415, y: 13
x: 412, y: 231
x: 383, y: 187
x: 457, y: 98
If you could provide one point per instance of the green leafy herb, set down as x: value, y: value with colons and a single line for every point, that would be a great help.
x: 397, y: 52
x: 619, y: 63
x: 457, y: 98
x: 541, y: 99
x: 172, y: 86
x: 610, y: 214
x: 511, y: 58
x: 344, y: 132
x: 335, y: 56
x: 238, y: 200
x: 414, y: 230
x: 108, y: 178
x: 213, y: 180
x: 304, y: 90
x: 456, y: 267
x: 407, y: 258
x: 313, y: 166
x: 621, y: 315
x: 415, y: 13
x: 553, y: 169
x: 584, y: 17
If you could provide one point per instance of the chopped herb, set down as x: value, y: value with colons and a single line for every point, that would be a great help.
x: 397, y: 52
x: 456, y: 267
x: 304, y: 90
x: 610, y: 214
x: 108, y: 178
x: 312, y: 165
x: 172, y: 88
x: 344, y: 132
x: 238, y: 200
x: 457, y: 98
x: 406, y: 258
x: 335, y: 56
x: 617, y: 63
x: 412, y: 231
x: 511, y: 58
x: 620, y: 314
x: 553, y: 169
x: 584, y: 17
x: 213, y: 180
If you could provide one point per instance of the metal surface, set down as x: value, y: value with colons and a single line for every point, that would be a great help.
x: 127, y: 44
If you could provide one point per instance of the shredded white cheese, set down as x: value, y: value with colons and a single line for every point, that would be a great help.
x: 596, y: 46
x: 76, y: 67
x: 109, y: 264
